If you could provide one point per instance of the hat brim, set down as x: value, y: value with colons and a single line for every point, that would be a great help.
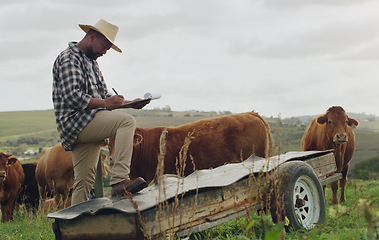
x: 86, y: 28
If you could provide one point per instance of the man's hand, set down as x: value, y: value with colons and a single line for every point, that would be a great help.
x: 111, y: 102
x: 114, y: 101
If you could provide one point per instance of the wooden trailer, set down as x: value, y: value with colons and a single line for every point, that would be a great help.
x: 289, y: 185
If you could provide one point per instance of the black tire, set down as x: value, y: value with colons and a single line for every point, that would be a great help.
x: 297, y: 197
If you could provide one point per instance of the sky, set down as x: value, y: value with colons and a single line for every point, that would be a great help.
x: 287, y: 58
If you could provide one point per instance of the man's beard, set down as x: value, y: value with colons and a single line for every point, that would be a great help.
x: 91, y: 54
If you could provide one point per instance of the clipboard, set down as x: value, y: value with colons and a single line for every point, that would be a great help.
x: 133, y: 104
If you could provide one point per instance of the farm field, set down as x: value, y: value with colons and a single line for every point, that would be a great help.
x: 350, y: 221
x: 20, y: 123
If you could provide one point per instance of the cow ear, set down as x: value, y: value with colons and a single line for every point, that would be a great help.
x: 11, y: 160
x: 352, y: 121
x: 322, y: 119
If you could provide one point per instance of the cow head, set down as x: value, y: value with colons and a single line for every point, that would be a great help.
x: 5, y: 161
x: 336, y: 122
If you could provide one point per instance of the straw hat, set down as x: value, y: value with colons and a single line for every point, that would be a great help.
x: 107, y: 29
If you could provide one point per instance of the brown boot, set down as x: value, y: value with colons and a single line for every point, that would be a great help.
x: 131, y: 186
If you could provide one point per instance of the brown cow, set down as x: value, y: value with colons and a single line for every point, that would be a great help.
x: 55, y: 174
x: 43, y: 187
x: 332, y: 130
x: 213, y: 142
x: 11, y: 179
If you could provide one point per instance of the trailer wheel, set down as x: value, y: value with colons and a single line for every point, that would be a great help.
x: 297, y: 197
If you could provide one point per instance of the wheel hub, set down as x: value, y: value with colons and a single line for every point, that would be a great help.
x: 299, y: 202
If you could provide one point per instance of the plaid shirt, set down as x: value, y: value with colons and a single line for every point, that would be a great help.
x: 75, y: 82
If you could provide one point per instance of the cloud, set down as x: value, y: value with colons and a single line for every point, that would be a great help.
x: 321, y: 32
x: 291, y: 57
x: 299, y: 4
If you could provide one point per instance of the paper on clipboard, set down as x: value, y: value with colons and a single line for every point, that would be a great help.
x: 151, y: 96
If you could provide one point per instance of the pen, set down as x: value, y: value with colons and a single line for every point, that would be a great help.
x: 114, y: 91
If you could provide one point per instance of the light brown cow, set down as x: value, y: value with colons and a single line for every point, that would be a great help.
x: 55, y: 174
x: 332, y: 130
x: 11, y: 180
x: 43, y: 187
x: 213, y: 142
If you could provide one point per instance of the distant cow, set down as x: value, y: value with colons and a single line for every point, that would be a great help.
x: 29, y: 195
x: 55, y: 174
x: 11, y: 179
x: 213, y: 142
x: 332, y: 130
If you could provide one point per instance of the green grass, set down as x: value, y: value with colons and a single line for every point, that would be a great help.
x: 27, y: 226
x: 367, y: 146
x: 21, y: 123
x: 341, y: 222
x: 28, y: 122
x: 369, y: 126
x: 290, y: 137
x: 41, y: 124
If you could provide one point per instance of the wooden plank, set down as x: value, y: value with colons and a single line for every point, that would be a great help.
x: 206, y: 225
x: 323, y: 165
x: 215, y: 206
x: 330, y: 179
x: 208, y: 206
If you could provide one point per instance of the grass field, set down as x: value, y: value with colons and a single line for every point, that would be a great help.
x: 347, y: 221
x: 14, y: 124
x: 367, y: 146
x: 20, y: 123
x: 354, y: 219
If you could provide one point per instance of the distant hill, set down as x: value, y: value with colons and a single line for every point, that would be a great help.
x: 37, y: 129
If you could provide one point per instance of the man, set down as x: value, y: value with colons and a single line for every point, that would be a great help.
x: 81, y: 100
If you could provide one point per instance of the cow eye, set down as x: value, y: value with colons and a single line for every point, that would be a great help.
x: 330, y: 122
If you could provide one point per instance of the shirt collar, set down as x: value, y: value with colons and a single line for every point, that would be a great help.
x: 75, y: 48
